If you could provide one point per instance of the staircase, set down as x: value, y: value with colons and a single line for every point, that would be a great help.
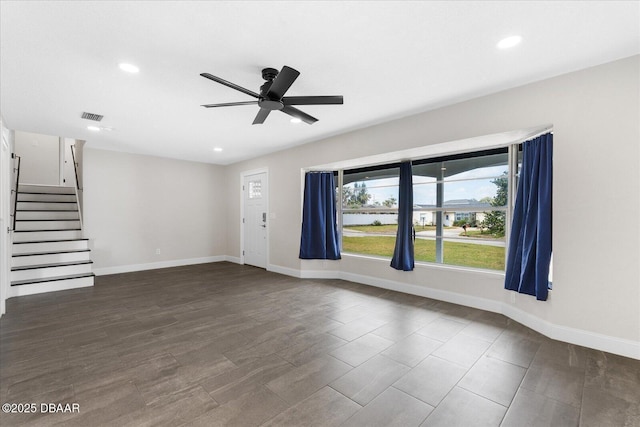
x: 49, y: 253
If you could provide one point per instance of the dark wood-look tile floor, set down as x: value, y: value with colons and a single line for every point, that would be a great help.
x: 224, y: 344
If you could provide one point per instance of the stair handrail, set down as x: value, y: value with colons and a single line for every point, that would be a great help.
x: 78, y: 188
x: 16, y: 171
x: 75, y: 167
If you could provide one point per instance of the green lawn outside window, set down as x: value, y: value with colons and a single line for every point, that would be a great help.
x: 455, y: 253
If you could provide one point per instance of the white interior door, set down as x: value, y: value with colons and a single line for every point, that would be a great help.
x: 255, y: 196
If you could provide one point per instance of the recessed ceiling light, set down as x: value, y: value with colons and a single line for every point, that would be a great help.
x: 296, y: 120
x: 217, y: 149
x: 93, y: 128
x: 508, y: 42
x: 129, y: 68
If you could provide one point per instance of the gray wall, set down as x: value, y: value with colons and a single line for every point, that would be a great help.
x: 134, y: 205
x: 595, y: 115
x: 40, y: 158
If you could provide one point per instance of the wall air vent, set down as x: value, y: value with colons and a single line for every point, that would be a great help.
x: 92, y: 116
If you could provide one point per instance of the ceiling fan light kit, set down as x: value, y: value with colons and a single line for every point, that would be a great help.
x: 271, y: 96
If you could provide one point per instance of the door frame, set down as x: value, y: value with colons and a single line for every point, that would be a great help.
x: 6, y: 147
x: 243, y: 175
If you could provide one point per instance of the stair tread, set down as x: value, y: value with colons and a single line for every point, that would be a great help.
x: 49, y: 219
x: 33, y: 184
x: 46, y: 192
x: 57, y: 264
x: 46, y: 210
x: 49, y: 241
x: 57, y: 229
x: 51, y: 279
x: 46, y: 201
x: 68, y: 251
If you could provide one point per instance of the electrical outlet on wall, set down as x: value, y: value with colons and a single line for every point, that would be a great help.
x: 158, y: 251
x: 513, y: 297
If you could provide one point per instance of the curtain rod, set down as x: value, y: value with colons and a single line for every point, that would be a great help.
x: 548, y: 129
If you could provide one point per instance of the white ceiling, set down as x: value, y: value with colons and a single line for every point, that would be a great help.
x: 387, y: 58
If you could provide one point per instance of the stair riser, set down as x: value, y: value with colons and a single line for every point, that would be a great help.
x: 41, y: 273
x: 27, y: 197
x: 47, y: 225
x: 48, y: 221
x: 20, y: 261
x: 29, y: 236
x: 31, y: 188
x: 58, y: 285
x: 25, y: 248
x: 25, y: 206
x: 44, y: 215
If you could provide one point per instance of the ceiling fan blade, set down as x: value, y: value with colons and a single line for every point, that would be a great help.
x: 282, y: 82
x: 294, y: 112
x: 229, y: 104
x: 311, y: 100
x: 261, y: 116
x: 229, y: 84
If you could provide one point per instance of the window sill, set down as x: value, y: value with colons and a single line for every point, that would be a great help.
x: 431, y: 265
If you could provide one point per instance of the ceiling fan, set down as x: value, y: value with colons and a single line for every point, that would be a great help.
x: 271, y: 96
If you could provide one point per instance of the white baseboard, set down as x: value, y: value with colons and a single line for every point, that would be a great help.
x: 284, y: 270
x: 233, y: 259
x: 155, y: 265
x: 304, y: 274
x: 620, y: 346
x: 615, y: 345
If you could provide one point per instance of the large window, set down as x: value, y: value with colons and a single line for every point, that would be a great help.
x: 461, y: 206
x: 370, y: 210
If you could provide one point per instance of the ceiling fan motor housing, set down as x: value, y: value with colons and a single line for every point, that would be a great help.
x: 265, y: 101
x: 270, y: 104
x: 269, y: 73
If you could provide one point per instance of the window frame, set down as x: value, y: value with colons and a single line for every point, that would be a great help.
x: 512, y: 150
